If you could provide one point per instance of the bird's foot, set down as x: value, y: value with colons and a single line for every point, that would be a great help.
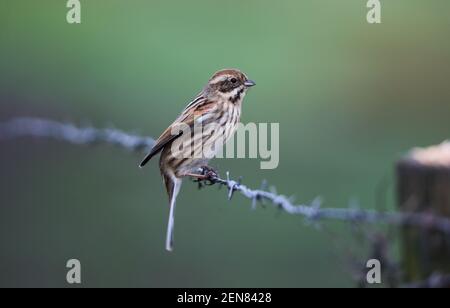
x: 205, y: 176
x: 209, y: 172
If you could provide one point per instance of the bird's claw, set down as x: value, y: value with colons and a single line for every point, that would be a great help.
x: 209, y: 172
x: 207, y: 175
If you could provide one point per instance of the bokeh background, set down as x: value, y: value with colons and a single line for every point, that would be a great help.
x: 351, y: 98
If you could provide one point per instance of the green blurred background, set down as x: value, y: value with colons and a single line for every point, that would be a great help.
x: 351, y: 98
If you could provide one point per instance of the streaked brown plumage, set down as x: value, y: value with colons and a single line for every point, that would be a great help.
x: 218, y: 108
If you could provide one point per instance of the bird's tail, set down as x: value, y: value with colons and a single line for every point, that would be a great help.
x: 173, y: 185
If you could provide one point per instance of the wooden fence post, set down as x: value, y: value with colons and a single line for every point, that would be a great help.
x: 423, y: 185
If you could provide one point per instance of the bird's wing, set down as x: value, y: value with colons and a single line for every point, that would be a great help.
x: 196, y: 108
x: 162, y: 141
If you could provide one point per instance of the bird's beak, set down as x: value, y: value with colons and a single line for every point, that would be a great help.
x: 249, y: 83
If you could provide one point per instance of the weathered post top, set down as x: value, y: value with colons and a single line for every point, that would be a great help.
x: 434, y: 156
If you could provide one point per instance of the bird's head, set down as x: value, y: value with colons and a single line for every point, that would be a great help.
x: 229, y: 84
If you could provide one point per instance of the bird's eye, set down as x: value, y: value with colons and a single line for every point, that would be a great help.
x: 233, y: 80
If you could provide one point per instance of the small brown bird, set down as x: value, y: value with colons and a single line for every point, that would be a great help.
x: 217, y: 106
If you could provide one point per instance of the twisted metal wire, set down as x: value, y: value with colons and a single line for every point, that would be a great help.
x: 44, y: 128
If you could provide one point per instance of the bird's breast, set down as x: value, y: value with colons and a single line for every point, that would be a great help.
x: 213, y: 129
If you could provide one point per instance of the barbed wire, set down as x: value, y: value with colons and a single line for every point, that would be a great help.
x: 44, y: 128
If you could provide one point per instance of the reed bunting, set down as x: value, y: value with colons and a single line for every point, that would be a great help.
x: 217, y: 106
